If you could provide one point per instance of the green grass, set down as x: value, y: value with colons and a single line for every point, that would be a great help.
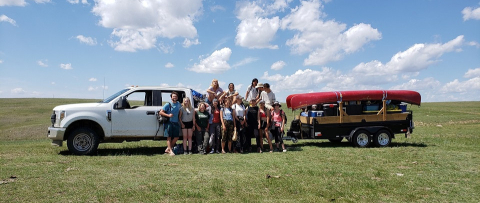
x: 439, y: 163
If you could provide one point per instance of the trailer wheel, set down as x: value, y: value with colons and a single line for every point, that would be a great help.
x: 382, y: 138
x: 361, y: 139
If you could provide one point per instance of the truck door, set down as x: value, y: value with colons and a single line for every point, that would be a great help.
x: 138, y: 118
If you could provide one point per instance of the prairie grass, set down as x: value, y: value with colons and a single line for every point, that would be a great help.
x: 439, y: 163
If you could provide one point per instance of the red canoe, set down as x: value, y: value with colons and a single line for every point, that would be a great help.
x: 296, y: 101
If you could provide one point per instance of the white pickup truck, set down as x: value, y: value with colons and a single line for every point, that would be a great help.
x: 128, y: 115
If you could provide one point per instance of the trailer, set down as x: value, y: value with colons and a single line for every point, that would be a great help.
x: 363, y: 117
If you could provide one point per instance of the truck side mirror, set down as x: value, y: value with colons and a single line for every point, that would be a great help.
x: 122, y: 103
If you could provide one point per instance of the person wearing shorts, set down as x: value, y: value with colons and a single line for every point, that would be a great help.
x: 227, y: 115
x: 172, y: 127
x: 187, y: 121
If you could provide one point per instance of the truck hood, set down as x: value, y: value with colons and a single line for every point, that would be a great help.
x: 82, y: 106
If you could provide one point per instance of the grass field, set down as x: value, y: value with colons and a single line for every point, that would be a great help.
x: 439, y: 163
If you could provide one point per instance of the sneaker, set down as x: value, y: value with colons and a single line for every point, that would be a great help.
x: 213, y: 151
x: 285, y: 150
x: 185, y: 153
x: 190, y: 153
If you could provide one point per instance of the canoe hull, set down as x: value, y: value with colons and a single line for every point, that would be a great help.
x: 296, y: 101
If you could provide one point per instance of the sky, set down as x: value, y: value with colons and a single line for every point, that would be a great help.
x: 94, y: 48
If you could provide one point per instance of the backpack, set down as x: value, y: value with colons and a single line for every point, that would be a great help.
x: 281, y: 113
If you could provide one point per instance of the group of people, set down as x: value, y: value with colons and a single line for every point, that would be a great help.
x: 224, y: 114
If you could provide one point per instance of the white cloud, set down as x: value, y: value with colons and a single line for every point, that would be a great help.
x: 471, y: 73
x: 278, y: 65
x: 427, y: 84
x: 245, y: 61
x: 414, y: 59
x: 325, y: 41
x: 44, y: 1
x: 42, y: 63
x: 92, y: 79
x: 13, y: 3
x: 87, y: 40
x: 420, y: 56
x: 53, y: 83
x: 77, y: 1
x: 255, y: 31
x: 302, y: 79
x: 166, y: 48
x: 4, y: 18
x: 67, y: 66
x: 275, y: 78
x: 92, y: 88
x: 21, y: 2
x: 169, y: 65
x: 1, y: 61
x: 471, y: 13
x: 217, y: 8
x: 18, y: 90
x: 472, y: 85
x: 474, y: 44
x: 137, y: 24
x: 187, y: 43
x: 215, y: 63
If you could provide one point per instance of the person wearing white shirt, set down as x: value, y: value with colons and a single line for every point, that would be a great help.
x: 268, y: 96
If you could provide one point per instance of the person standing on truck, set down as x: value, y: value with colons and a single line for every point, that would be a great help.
x: 278, y: 123
x: 230, y: 94
x: 172, y: 127
x: 259, y: 90
x: 214, y: 91
x: 239, y: 109
x: 268, y: 96
x: 252, y: 124
x: 252, y: 92
x: 201, y: 118
x: 263, y: 123
x: 187, y: 121
x: 227, y: 115
x: 214, y: 128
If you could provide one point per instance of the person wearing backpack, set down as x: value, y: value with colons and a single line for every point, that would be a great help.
x: 172, y: 127
x: 277, y: 125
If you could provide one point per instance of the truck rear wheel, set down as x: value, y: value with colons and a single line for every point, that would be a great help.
x: 83, y: 141
x: 382, y: 138
x: 361, y: 138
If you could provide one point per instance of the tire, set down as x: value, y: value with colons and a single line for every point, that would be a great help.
x: 361, y: 139
x: 336, y: 139
x: 83, y: 141
x: 382, y: 138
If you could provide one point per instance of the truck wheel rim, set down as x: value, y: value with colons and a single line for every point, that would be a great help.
x: 362, y: 139
x: 82, y: 142
x: 383, y: 139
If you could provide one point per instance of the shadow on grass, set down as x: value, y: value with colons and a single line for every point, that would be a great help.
x: 151, y: 151
x: 348, y: 144
x: 146, y: 151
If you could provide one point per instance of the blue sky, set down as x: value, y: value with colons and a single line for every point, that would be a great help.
x: 93, y: 48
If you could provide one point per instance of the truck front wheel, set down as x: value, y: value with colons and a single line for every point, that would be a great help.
x: 83, y: 141
x: 361, y: 138
x: 382, y: 138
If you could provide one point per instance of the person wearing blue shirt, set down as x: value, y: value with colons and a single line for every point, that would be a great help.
x: 172, y: 127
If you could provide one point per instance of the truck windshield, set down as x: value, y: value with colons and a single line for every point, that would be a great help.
x: 109, y: 99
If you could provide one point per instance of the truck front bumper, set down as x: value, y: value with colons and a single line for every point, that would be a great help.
x: 56, y: 135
